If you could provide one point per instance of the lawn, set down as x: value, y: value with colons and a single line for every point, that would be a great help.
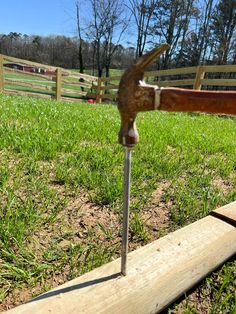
x: 113, y: 72
x: 61, y: 192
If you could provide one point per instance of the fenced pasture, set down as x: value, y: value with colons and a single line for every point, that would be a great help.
x: 63, y: 84
x: 56, y: 83
x: 61, y: 192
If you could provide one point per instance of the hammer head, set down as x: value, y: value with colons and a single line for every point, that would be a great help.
x: 133, y: 98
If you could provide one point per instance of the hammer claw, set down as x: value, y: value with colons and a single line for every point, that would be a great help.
x: 148, y: 58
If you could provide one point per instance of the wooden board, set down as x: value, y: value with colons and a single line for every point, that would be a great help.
x: 23, y: 93
x: 167, y: 72
x: 186, y: 82
x: 42, y: 76
x: 78, y: 83
x: 73, y: 93
x: 220, y: 68
x: 28, y: 84
x: 158, y: 274
x: 58, y: 84
x: 199, y: 77
x: 219, y: 82
x: 99, y: 91
x: 226, y: 213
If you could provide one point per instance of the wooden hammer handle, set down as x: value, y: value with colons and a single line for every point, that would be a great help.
x: 187, y: 100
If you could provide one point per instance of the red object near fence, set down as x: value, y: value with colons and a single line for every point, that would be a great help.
x: 91, y: 101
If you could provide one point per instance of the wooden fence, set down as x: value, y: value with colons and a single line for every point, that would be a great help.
x: 45, y: 81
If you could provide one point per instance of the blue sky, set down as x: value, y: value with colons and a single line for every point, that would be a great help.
x: 41, y: 17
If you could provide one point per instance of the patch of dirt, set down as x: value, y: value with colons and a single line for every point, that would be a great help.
x: 221, y: 184
x: 80, y: 222
x: 156, y: 217
x: 82, y: 216
x: 197, y: 299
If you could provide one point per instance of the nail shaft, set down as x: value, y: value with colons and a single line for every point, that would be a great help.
x: 125, y: 229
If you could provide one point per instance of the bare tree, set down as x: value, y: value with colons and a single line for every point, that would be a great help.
x: 204, y: 30
x: 105, y: 30
x: 115, y: 27
x: 142, y: 12
x: 168, y: 25
x: 81, y: 63
x: 190, y: 12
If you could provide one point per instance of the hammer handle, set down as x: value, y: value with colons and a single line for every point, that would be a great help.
x: 187, y: 100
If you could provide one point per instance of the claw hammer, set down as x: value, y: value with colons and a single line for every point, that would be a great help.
x: 135, y: 96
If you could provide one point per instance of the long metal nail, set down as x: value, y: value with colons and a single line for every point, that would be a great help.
x: 125, y: 229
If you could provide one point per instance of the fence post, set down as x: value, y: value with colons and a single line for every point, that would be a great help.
x: 199, y: 77
x: 99, y: 91
x: 58, y: 84
x: 1, y: 75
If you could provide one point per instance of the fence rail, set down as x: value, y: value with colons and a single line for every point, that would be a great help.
x: 24, y: 77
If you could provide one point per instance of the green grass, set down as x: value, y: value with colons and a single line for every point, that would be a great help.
x: 113, y: 72
x: 51, y: 153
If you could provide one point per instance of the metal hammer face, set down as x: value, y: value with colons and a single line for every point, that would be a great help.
x: 133, y: 98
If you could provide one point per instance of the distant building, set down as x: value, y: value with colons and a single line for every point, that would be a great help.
x: 21, y: 67
x: 32, y: 69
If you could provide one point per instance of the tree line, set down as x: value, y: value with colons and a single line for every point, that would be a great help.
x: 117, y: 32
